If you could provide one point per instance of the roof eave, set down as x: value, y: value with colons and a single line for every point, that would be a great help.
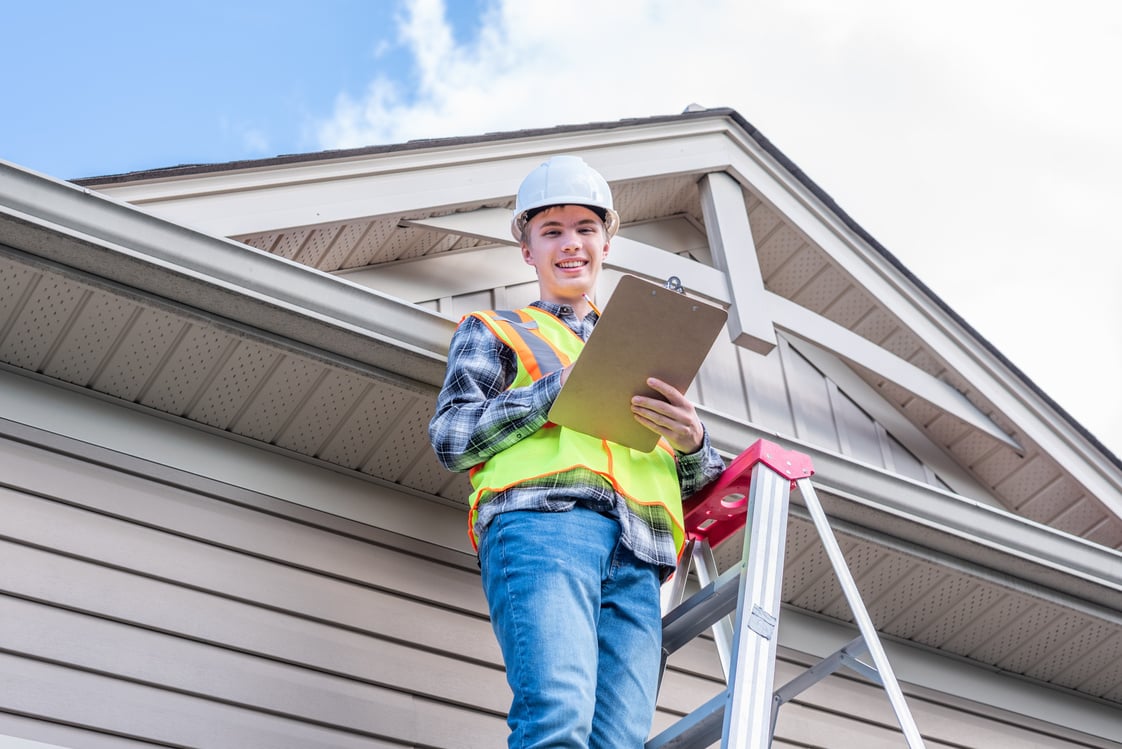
x: 83, y: 232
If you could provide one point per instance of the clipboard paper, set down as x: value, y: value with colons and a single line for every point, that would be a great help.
x: 645, y: 330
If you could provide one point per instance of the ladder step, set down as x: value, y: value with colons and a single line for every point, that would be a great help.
x: 700, y: 611
x: 699, y: 729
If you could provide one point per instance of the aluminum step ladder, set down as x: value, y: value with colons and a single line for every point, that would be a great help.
x: 741, y: 605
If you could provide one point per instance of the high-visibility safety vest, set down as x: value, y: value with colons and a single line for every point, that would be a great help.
x: 647, y: 481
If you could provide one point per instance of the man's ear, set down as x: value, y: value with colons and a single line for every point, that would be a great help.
x: 604, y: 253
x: 526, y: 254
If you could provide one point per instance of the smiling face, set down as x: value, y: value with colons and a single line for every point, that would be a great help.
x: 567, y: 245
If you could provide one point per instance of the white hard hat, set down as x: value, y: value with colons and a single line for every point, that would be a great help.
x: 563, y: 180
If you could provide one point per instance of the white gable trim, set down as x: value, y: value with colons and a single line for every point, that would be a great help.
x: 450, y: 174
x: 734, y: 253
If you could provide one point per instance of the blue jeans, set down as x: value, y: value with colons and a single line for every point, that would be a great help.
x: 577, y: 618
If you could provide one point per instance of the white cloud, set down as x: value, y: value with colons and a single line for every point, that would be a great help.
x: 977, y: 141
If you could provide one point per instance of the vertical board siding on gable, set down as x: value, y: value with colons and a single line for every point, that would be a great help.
x: 720, y: 383
x: 809, y: 397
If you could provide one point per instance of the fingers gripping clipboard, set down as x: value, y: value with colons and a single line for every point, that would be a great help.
x: 646, y: 330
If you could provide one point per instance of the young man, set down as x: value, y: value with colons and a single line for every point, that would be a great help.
x: 574, y: 533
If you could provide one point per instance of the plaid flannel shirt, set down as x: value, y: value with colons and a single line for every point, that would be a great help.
x: 477, y: 417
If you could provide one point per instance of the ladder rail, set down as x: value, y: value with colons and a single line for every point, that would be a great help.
x: 861, y: 615
x: 705, y: 565
x: 698, y: 554
x: 752, y: 672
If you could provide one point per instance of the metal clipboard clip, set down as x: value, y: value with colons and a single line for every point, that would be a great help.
x: 675, y: 284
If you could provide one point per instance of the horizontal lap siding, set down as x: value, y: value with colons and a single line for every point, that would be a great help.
x: 16, y: 729
x: 136, y: 612
x: 136, y: 609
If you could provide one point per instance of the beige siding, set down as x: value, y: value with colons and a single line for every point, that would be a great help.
x: 130, y: 607
x: 140, y: 612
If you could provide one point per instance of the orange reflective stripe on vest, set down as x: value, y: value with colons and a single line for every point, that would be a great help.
x: 535, y: 353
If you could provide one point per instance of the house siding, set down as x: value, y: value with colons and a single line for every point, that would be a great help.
x: 229, y: 625
x: 142, y: 605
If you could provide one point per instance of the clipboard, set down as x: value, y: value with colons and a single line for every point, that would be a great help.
x: 646, y: 330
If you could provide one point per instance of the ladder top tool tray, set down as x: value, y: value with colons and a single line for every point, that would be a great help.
x: 721, y: 508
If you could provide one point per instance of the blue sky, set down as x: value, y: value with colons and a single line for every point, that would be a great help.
x: 976, y: 140
x: 105, y: 87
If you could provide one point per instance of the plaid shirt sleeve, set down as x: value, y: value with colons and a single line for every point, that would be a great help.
x: 697, y: 469
x: 476, y: 415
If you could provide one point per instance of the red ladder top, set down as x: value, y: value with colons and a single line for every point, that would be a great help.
x: 721, y: 508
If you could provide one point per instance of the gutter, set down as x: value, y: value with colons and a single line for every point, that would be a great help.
x: 87, y: 235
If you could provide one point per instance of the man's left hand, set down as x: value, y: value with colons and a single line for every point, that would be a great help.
x: 675, y: 418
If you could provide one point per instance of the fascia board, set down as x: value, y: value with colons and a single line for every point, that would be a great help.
x: 83, y: 232
x: 961, y: 351
x: 1051, y: 563
x: 469, y: 156
x: 272, y: 198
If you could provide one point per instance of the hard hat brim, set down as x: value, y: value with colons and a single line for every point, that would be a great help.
x: 518, y: 223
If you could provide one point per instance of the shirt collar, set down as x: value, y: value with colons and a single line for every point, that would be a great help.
x: 564, y: 310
